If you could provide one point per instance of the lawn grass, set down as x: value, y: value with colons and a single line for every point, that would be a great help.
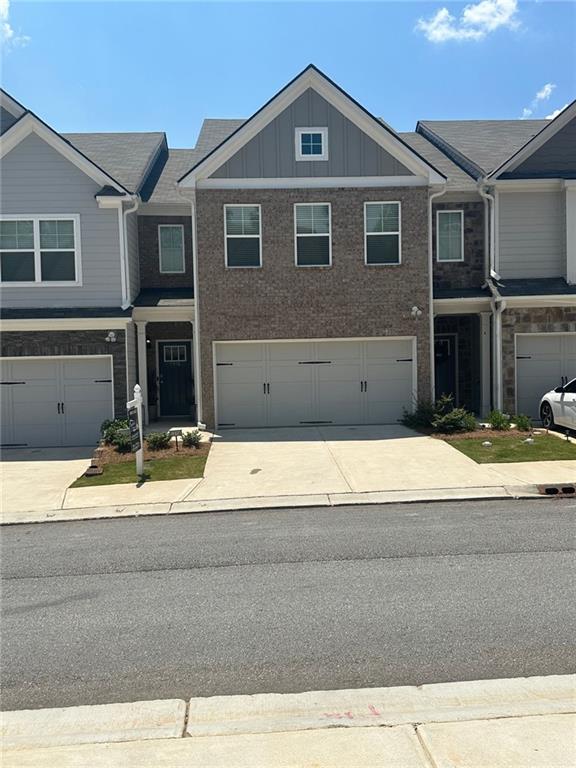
x: 173, y: 468
x: 509, y: 448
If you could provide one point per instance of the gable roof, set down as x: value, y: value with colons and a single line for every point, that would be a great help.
x: 457, y: 178
x: 177, y: 163
x: 479, y: 146
x: 312, y: 77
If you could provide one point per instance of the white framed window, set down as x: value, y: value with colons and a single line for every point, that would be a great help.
x: 40, y: 250
x: 171, y: 248
x: 242, y: 235
x: 450, y: 235
x: 382, y: 233
x: 175, y: 353
x: 313, y: 234
x: 311, y: 143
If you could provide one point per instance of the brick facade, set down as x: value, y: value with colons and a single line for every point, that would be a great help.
x: 51, y: 343
x: 528, y: 320
x: 282, y: 301
x: 150, y: 275
x: 469, y: 273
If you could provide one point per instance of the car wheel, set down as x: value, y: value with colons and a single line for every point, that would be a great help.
x: 546, y: 415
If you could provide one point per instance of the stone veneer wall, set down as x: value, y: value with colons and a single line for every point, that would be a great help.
x: 48, y: 343
x: 470, y: 272
x: 528, y: 320
x: 149, y: 253
x: 282, y: 301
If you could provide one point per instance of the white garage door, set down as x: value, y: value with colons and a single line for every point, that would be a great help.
x: 305, y: 382
x: 543, y: 361
x: 54, y: 401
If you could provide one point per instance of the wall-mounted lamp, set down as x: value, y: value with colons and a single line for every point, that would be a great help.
x: 416, y: 312
x: 111, y: 338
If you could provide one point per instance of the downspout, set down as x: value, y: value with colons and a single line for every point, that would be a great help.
x: 432, y: 197
x: 124, y: 221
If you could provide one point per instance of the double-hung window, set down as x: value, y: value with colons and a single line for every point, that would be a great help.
x: 171, y: 248
x: 450, y: 235
x: 40, y: 250
x: 312, y: 234
x: 243, y: 235
x: 311, y: 143
x: 382, y: 233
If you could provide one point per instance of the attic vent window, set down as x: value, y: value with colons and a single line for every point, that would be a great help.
x: 311, y: 144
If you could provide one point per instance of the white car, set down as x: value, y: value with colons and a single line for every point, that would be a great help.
x: 558, y: 407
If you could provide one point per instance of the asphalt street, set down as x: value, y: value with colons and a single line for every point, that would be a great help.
x: 286, y: 600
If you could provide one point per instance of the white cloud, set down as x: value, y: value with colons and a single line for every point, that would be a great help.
x: 8, y: 38
x: 475, y: 22
x: 542, y: 95
x: 556, y: 112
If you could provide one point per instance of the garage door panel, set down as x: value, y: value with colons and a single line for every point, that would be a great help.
x: 86, y: 370
x: 241, y: 404
x: 339, y: 395
x: 290, y: 403
x: 388, y: 350
x: 232, y: 352
x: 545, y: 346
x: 290, y: 352
x: 35, y: 370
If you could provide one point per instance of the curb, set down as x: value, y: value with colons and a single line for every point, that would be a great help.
x: 493, y: 493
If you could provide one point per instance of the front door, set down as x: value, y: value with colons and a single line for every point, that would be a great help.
x: 445, y: 365
x: 175, y: 378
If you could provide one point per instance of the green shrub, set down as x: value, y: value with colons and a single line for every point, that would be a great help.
x: 157, y: 441
x: 122, y: 443
x: 456, y: 420
x: 191, y: 439
x: 523, y: 423
x: 499, y: 421
x: 422, y: 415
x: 444, y: 405
x: 110, y: 430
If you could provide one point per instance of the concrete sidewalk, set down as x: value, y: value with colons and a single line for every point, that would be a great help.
x: 520, y: 723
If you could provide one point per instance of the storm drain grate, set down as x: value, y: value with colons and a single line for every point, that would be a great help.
x: 557, y: 490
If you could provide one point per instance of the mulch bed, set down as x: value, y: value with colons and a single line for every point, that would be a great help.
x: 109, y: 455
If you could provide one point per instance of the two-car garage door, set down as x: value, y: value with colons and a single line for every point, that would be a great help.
x: 313, y: 382
x: 543, y: 361
x: 54, y: 401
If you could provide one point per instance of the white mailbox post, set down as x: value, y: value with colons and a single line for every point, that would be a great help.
x: 134, y: 408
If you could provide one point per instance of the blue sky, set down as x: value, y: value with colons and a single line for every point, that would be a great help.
x: 128, y: 66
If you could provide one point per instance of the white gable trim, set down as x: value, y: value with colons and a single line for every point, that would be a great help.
x: 311, y: 78
x: 534, y: 144
x: 32, y: 124
x: 10, y: 104
x: 314, y: 182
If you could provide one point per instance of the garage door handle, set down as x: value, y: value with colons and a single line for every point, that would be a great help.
x: 62, y: 406
x: 58, y: 407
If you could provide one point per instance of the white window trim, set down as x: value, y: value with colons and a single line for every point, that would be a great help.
x: 382, y: 234
x: 313, y: 234
x: 171, y: 271
x: 36, y: 218
x: 449, y: 261
x: 298, y: 140
x: 226, y: 236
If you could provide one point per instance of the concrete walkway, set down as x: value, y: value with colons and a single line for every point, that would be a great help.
x: 522, y: 722
x: 299, y: 467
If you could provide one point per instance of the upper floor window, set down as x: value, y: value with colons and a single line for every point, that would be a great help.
x: 40, y: 250
x: 243, y: 235
x: 382, y: 233
x: 450, y: 235
x: 171, y: 248
x: 313, y: 234
x: 311, y: 143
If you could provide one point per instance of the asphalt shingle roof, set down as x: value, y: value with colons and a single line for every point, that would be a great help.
x: 125, y: 156
x: 487, y: 143
x: 178, y: 163
x: 214, y: 131
x: 457, y: 178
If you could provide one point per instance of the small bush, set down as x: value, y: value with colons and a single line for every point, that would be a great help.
x: 157, y: 441
x: 444, y: 405
x: 499, y: 421
x: 456, y: 420
x: 110, y: 430
x: 191, y: 439
x: 122, y: 443
x: 422, y: 415
x: 523, y: 423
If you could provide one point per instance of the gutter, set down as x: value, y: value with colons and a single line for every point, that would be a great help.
x: 124, y: 260
x: 432, y: 196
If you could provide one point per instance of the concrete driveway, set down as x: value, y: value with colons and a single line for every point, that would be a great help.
x: 37, y: 478
x: 311, y: 460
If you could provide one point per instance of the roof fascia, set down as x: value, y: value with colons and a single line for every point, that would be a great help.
x: 313, y: 78
x: 30, y: 123
x: 537, y: 141
x: 462, y: 161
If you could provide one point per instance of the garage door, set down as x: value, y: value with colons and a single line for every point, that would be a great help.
x: 542, y: 360
x: 305, y: 382
x: 54, y: 401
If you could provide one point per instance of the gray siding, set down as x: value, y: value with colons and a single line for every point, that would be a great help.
x: 37, y: 179
x: 133, y: 259
x: 556, y: 157
x: 271, y: 154
x: 532, y: 234
x: 7, y: 120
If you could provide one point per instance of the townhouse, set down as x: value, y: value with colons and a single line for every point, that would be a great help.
x: 306, y: 265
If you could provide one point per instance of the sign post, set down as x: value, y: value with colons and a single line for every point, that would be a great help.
x: 134, y: 408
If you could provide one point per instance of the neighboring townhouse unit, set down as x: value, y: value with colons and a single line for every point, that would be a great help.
x: 308, y: 265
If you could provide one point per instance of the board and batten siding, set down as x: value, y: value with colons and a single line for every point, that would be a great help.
x: 272, y: 152
x: 531, y: 234
x: 556, y: 156
x: 36, y: 179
